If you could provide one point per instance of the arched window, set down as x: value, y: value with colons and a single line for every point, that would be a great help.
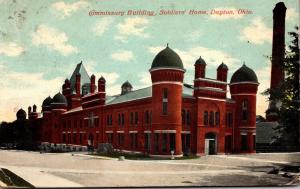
x: 211, y: 118
x: 245, y: 109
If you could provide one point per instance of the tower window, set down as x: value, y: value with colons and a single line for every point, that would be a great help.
x: 165, y: 101
x: 217, y: 118
x: 188, y: 117
x: 205, y: 118
x: 183, y: 116
x: 245, y: 109
x: 211, y: 118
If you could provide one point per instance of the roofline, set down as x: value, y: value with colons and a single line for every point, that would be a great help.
x: 211, y: 80
x: 167, y: 68
x: 244, y: 82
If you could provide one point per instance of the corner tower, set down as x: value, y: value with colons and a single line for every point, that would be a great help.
x: 243, y: 89
x: 167, y: 74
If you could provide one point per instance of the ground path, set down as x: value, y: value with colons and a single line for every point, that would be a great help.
x: 67, y: 170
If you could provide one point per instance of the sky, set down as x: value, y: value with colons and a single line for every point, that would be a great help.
x: 41, y: 42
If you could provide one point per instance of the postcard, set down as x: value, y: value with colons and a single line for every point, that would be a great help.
x: 149, y: 93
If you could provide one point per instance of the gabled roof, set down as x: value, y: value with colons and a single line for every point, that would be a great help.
x: 84, y: 79
x: 187, y: 92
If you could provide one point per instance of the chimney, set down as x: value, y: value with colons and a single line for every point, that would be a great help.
x: 92, y: 86
x: 101, y: 84
x: 278, y: 49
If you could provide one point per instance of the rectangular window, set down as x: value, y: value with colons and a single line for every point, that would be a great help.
x: 107, y: 119
x: 69, y: 138
x: 110, y: 138
x: 133, y: 140
x: 119, y: 119
x: 80, y: 138
x: 147, y: 141
x: 211, y: 118
x: 188, y: 118
x: 147, y: 117
x: 64, y: 138
x: 75, y: 123
x: 205, y: 118
x: 120, y: 139
x: 254, y: 141
x: 244, y: 142
x: 136, y: 116
x: 123, y: 120
x: 165, y: 102
x: 150, y: 117
x: 156, y: 142
x: 74, y: 138
x: 64, y: 124
x: 217, y: 118
x: 164, y: 142
x: 80, y: 125
x: 183, y: 115
x: 131, y: 118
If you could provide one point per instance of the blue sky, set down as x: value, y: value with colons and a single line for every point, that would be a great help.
x: 42, y: 41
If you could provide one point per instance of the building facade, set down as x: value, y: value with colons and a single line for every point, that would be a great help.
x: 169, y: 115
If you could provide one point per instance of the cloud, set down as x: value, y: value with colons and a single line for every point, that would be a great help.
x: 145, y: 79
x: 132, y: 27
x: 23, y: 89
x: 123, y: 56
x: 212, y: 57
x: 193, y: 36
x: 220, y: 13
x: 102, y: 25
x: 53, y: 39
x: 110, y: 77
x: 264, y: 76
x: 257, y: 32
x: 67, y: 9
x: 291, y: 14
x: 11, y: 49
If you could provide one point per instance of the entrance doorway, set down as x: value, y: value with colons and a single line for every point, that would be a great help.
x: 91, y: 140
x: 210, y: 144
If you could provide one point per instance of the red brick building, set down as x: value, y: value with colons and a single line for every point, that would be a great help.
x: 169, y: 115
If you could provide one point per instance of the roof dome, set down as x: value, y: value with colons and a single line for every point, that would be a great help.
x: 167, y: 58
x: 102, y: 78
x: 244, y: 74
x: 47, y: 101
x: 223, y: 66
x: 21, y: 114
x: 126, y: 84
x: 200, y: 61
x: 59, y: 99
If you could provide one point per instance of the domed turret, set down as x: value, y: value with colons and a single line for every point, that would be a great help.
x: 243, y: 90
x: 167, y: 58
x: 59, y: 99
x: 244, y: 74
x: 200, y: 65
x: 222, y: 72
x: 223, y: 66
x: 167, y: 73
x: 21, y: 114
x: 47, y: 102
x: 126, y: 87
x: 200, y: 61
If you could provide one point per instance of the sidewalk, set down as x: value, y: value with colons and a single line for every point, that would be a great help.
x: 39, y: 179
